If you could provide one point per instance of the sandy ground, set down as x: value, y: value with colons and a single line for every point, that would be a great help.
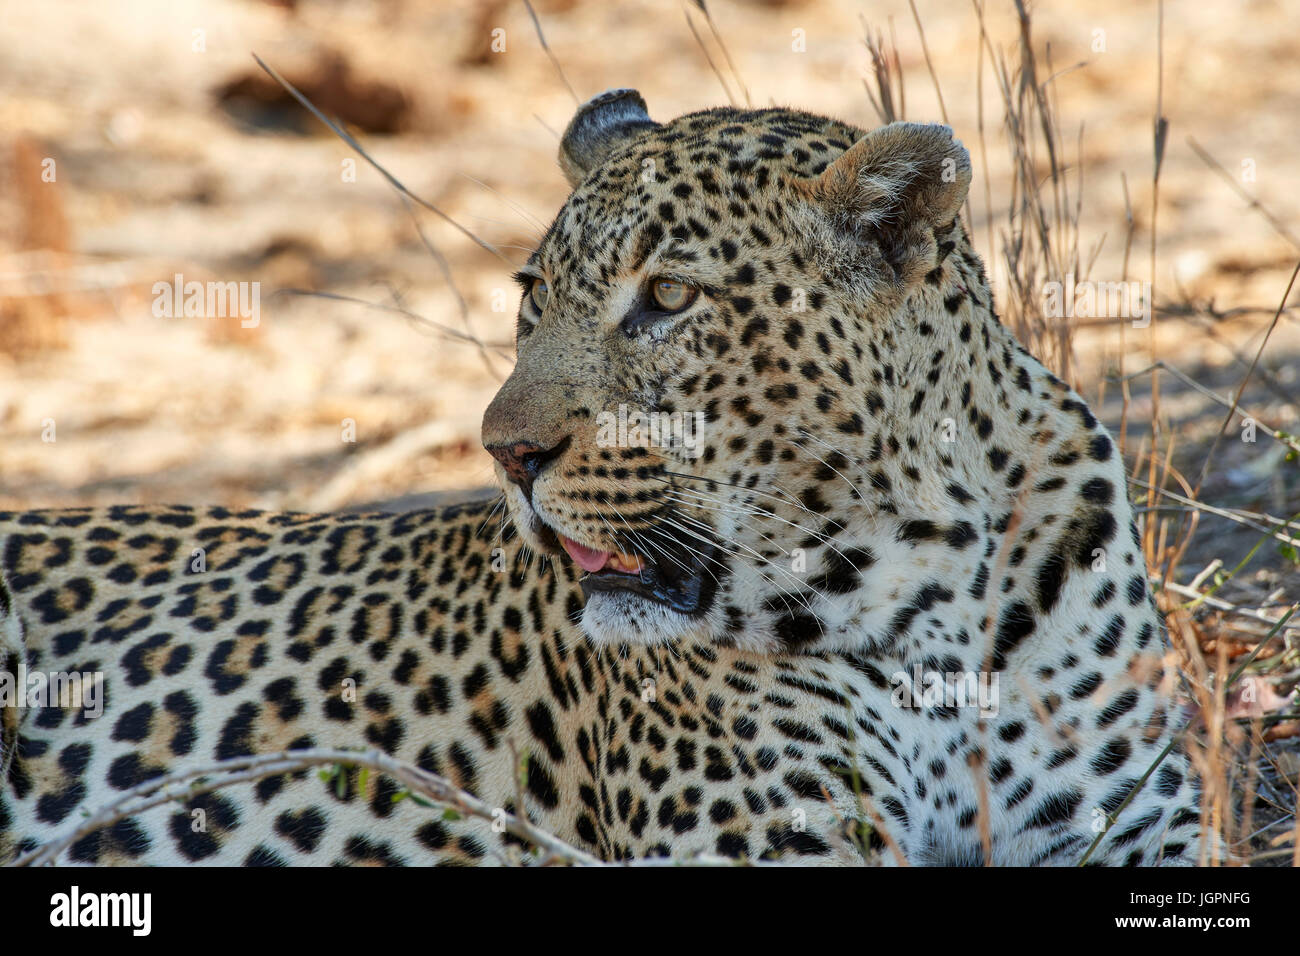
x: 159, y: 170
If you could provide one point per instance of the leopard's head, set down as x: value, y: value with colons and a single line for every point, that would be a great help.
x: 722, y: 341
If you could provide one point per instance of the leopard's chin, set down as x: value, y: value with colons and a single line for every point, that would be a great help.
x: 648, y: 598
x: 633, y: 600
x: 620, y: 617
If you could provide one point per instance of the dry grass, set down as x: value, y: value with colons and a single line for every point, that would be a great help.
x: 32, y: 311
x: 1228, y: 654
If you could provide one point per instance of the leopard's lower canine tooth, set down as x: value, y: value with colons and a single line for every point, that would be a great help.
x: 629, y: 563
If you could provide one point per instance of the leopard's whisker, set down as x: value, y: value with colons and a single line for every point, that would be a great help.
x: 828, y: 541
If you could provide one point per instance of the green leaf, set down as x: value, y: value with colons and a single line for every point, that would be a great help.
x: 523, y: 770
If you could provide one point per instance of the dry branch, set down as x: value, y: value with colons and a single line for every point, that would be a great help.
x: 184, y: 785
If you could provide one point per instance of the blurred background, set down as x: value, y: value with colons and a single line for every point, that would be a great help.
x: 139, y: 141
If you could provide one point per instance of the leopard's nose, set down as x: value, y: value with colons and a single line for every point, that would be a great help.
x: 524, y: 461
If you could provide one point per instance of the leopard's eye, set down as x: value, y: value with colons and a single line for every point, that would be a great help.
x: 672, y: 296
x: 540, y: 293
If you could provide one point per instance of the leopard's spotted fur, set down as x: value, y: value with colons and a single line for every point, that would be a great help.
x: 888, y: 484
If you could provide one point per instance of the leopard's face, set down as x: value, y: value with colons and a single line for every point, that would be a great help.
x: 701, y: 353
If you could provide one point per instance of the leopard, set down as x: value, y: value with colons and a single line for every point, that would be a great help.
x: 798, y: 556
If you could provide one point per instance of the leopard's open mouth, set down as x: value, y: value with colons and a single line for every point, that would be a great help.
x: 679, y: 576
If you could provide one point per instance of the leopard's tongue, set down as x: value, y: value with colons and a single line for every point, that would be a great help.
x: 589, y: 560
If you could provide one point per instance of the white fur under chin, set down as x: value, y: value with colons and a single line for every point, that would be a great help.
x: 611, y: 618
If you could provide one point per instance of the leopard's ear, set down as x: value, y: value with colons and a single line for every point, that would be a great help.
x: 601, y: 123
x: 897, y: 174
